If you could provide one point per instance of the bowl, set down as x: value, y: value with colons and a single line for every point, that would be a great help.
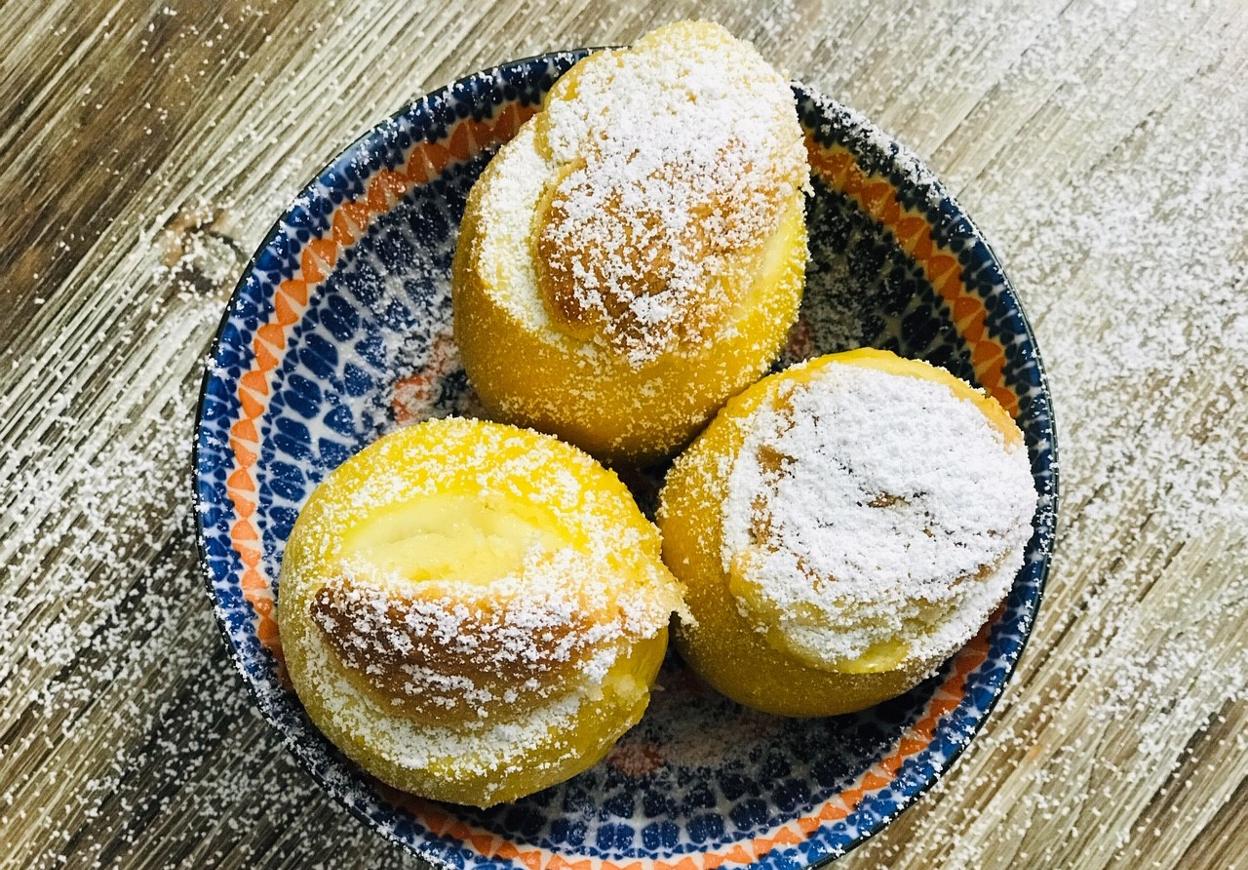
x: 340, y: 330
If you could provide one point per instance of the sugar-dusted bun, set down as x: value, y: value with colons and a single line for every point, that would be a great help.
x: 635, y: 255
x: 842, y: 527
x: 473, y: 612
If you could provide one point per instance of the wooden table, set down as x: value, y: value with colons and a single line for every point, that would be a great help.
x: 147, y: 147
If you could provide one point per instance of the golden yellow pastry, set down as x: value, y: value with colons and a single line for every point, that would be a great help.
x: 473, y: 612
x: 841, y: 528
x: 636, y: 254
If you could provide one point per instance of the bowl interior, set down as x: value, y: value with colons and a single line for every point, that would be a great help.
x: 341, y: 330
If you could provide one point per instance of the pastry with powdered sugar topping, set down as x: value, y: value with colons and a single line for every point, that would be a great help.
x: 843, y: 527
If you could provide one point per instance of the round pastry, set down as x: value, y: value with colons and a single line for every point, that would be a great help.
x: 473, y: 612
x: 639, y: 246
x: 843, y: 527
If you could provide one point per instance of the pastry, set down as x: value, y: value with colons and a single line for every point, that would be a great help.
x: 843, y: 527
x: 472, y: 611
x: 636, y: 254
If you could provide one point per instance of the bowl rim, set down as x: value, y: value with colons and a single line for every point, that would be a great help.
x: 1046, y: 528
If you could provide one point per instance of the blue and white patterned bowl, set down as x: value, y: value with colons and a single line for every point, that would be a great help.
x: 341, y: 330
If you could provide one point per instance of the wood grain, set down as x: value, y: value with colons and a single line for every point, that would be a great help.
x: 148, y: 146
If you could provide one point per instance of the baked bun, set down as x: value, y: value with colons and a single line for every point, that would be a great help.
x: 473, y: 612
x: 636, y: 254
x: 843, y: 527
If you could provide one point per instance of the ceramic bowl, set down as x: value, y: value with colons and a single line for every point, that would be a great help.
x: 340, y: 330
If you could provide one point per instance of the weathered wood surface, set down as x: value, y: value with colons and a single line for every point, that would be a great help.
x: 146, y: 148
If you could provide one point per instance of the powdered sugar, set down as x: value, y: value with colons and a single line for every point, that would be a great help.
x: 518, y: 176
x: 672, y: 163
x: 864, y: 505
